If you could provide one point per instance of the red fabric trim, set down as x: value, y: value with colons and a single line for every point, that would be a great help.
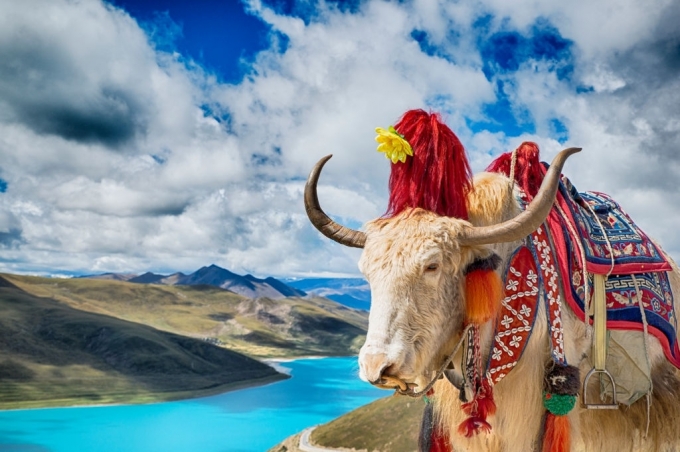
x: 628, y: 269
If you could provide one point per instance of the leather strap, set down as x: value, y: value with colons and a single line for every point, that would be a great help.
x: 600, y: 324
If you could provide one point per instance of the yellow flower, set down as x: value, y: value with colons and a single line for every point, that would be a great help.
x: 393, y: 144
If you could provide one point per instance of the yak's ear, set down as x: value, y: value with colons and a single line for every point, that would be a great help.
x: 483, y: 287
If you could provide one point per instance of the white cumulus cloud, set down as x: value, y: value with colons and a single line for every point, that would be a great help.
x: 119, y: 156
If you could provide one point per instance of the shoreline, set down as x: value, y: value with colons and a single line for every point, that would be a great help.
x: 152, y: 398
x: 275, y: 363
x: 285, y: 359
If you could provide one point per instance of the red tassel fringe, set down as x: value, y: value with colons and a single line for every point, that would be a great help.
x: 473, y: 425
x: 528, y: 168
x: 438, y: 177
x: 557, y: 434
x: 478, y: 409
x: 440, y: 442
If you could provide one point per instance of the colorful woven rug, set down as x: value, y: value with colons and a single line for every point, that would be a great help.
x: 605, y: 229
x: 576, y: 226
x: 621, y: 292
x: 638, y: 265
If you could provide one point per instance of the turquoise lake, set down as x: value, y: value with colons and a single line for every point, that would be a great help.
x: 248, y: 420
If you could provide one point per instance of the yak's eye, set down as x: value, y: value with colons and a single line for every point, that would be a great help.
x: 432, y: 267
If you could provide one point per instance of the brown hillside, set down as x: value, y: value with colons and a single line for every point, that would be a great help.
x: 260, y: 327
x: 53, y: 354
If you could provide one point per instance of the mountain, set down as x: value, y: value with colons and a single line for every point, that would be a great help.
x: 248, y: 285
x: 154, y: 278
x: 282, y: 288
x: 262, y: 327
x: 111, y: 276
x: 147, y: 278
x: 352, y: 292
x: 55, y: 354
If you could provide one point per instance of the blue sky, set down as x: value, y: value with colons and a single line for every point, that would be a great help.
x: 166, y: 135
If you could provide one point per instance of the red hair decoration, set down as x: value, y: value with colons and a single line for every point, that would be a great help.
x: 438, y: 176
x: 528, y: 170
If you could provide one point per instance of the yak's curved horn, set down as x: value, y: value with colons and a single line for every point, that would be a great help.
x: 526, y: 222
x: 323, y: 222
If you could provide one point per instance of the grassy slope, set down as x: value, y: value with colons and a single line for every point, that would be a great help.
x: 386, y: 425
x: 53, y: 355
x: 263, y: 328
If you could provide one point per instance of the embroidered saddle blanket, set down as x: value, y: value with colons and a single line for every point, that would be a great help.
x: 611, y: 242
x: 585, y: 231
x: 639, y: 270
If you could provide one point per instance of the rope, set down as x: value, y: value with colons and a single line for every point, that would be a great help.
x: 606, y: 238
x: 582, y: 257
x: 643, y: 315
x: 441, y: 370
x: 513, y: 162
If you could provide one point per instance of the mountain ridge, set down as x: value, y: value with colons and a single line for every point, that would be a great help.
x: 216, y: 276
x: 260, y: 327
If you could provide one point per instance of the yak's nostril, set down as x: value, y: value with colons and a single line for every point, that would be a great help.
x: 374, y: 365
x: 388, y: 370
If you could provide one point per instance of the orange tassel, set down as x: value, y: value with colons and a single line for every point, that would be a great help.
x: 557, y: 435
x: 483, y: 294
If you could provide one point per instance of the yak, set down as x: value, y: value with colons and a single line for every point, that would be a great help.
x: 415, y: 262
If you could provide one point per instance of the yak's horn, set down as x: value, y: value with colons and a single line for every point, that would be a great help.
x: 528, y: 221
x: 323, y: 222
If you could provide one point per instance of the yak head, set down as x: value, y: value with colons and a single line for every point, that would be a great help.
x: 415, y: 264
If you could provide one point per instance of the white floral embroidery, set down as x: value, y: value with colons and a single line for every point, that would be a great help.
x: 525, y: 311
x: 533, y: 277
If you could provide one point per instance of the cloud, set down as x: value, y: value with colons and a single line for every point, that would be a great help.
x: 43, y: 83
x: 117, y: 153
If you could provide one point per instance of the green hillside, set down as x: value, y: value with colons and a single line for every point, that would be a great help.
x: 260, y: 327
x: 53, y: 354
x: 386, y: 425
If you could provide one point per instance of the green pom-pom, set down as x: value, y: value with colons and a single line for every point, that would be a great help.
x: 558, y: 404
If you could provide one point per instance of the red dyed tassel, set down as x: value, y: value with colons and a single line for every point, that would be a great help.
x: 437, y: 177
x: 472, y: 425
x: 557, y: 434
x: 478, y: 409
x: 528, y: 169
x: 483, y: 404
x: 483, y: 294
x: 440, y: 441
x: 486, y: 406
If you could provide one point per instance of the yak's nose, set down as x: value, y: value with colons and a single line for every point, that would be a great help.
x: 374, y: 366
